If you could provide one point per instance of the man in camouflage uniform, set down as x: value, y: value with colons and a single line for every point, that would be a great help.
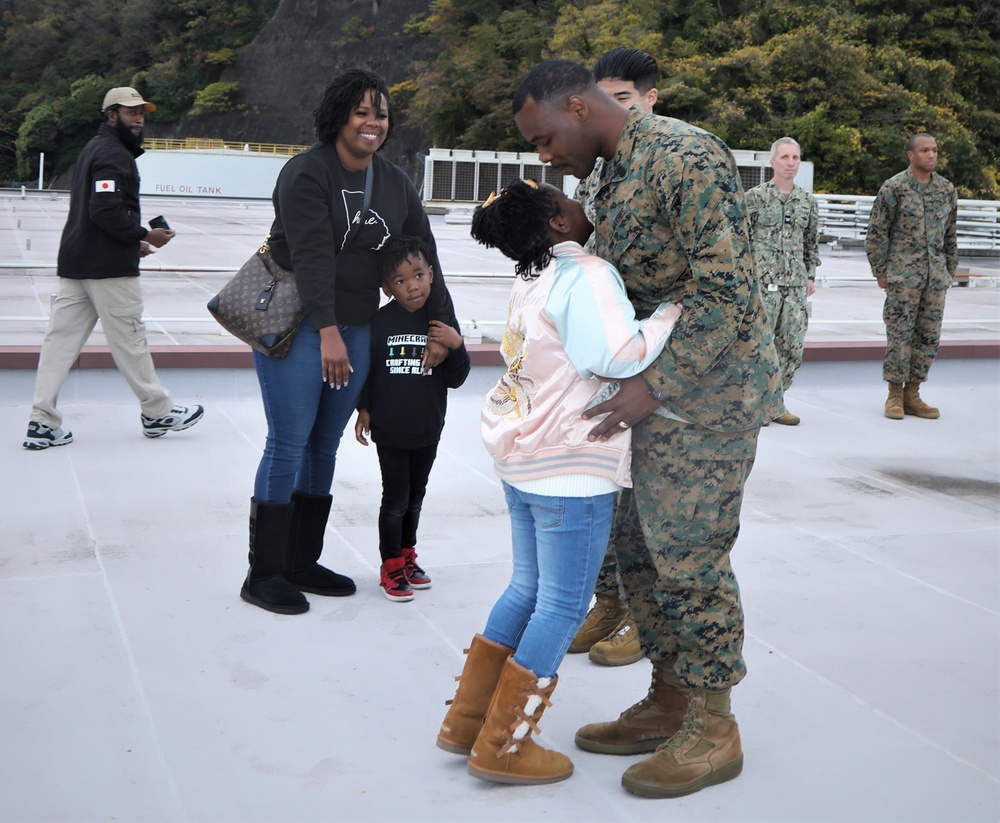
x: 671, y: 218
x: 784, y: 223
x: 608, y: 632
x: 912, y: 248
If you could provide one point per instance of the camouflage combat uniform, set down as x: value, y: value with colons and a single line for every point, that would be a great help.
x: 785, y: 235
x: 584, y: 194
x: 608, y: 580
x: 912, y: 242
x: 670, y: 217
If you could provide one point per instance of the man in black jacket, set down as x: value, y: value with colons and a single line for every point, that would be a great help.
x: 98, y: 270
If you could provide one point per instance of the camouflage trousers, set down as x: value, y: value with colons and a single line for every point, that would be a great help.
x: 913, y: 331
x: 789, y: 318
x: 608, y: 582
x: 672, y: 536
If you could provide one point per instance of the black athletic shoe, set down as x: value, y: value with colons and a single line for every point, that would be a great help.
x: 177, y: 419
x: 41, y: 436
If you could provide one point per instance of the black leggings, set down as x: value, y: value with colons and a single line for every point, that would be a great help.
x: 404, y: 483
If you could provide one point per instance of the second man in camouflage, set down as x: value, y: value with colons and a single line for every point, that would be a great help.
x: 784, y: 220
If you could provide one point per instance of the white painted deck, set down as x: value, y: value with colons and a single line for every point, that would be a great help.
x: 136, y: 686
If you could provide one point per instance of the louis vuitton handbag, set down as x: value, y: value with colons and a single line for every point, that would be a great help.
x: 260, y: 305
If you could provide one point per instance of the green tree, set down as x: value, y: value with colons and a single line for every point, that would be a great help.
x: 850, y: 80
x: 462, y: 99
x: 583, y: 33
x: 48, y: 46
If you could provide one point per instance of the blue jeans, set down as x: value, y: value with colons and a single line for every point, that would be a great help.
x: 305, y: 416
x: 558, y: 543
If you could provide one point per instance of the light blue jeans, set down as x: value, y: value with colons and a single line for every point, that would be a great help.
x: 558, y: 543
x: 305, y: 416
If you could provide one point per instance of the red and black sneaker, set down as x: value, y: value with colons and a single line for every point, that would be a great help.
x: 393, y: 582
x: 417, y: 577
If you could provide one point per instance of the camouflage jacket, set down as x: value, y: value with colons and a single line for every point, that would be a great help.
x: 584, y: 194
x: 785, y: 234
x: 671, y: 218
x: 912, y: 238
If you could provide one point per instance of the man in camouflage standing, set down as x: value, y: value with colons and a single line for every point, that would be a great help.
x: 671, y: 218
x: 784, y: 222
x: 609, y: 633
x: 912, y: 248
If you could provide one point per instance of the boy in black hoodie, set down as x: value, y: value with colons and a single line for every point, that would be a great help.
x: 402, y: 406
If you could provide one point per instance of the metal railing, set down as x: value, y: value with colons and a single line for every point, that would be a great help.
x: 845, y: 216
x: 215, y: 145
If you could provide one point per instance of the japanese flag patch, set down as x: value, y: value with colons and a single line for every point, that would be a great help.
x: 104, y: 185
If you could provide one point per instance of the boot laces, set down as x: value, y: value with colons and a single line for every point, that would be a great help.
x: 692, y: 727
x: 622, y: 635
x: 648, y: 702
x: 601, y: 611
x: 520, y: 718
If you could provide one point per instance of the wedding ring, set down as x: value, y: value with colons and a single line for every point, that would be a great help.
x: 622, y: 424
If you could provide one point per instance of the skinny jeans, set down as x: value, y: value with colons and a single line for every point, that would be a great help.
x: 558, y: 546
x: 306, y: 417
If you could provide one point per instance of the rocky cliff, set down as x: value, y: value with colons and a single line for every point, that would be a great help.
x: 283, y: 72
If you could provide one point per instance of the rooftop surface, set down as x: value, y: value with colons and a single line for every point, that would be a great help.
x: 214, y: 237
x: 137, y: 686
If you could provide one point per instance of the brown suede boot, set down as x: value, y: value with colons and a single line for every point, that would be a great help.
x: 621, y: 649
x: 706, y: 751
x: 476, y: 685
x: 894, y: 403
x: 600, y: 622
x: 504, y: 751
x: 647, y: 724
x: 912, y: 404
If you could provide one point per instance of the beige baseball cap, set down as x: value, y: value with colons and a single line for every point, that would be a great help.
x: 125, y: 96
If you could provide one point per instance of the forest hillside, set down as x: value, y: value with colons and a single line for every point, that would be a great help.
x: 849, y: 79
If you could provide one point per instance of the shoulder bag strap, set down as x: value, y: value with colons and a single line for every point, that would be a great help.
x: 265, y: 246
x: 364, y: 208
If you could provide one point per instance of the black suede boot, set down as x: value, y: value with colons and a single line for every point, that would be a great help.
x: 311, y: 512
x: 270, y: 528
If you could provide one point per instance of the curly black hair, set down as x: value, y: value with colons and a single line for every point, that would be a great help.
x: 517, y: 223
x: 343, y: 94
x: 399, y: 249
x: 552, y: 81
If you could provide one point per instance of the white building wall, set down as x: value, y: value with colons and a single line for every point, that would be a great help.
x: 209, y: 173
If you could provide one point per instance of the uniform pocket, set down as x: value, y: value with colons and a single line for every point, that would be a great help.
x: 770, y: 216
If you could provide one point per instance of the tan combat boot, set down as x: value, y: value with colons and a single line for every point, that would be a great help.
x: 476, y: 685
x: 504, y: 751
x: 642, y: 727
x: 706, y: 751
x: 600, y: 622
x: 786, y: 418
x: 894, y: 403
x: 912, y: 404
x: 621, y: 649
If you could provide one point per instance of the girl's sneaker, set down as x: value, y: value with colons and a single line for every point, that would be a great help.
x: 417, y: 577
x: 393, y: 580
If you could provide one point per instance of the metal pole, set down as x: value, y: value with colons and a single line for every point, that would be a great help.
x: 41, y: 169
